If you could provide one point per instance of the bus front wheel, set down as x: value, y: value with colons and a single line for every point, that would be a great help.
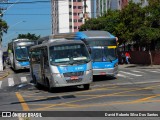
x: 37, y: 85
x: 86, y: 86
x: 50, y: 89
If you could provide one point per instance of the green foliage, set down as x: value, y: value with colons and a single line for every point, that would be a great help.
x: 145, y: 35
x: 133, y: 23
x: 3, y: 27
x: 29, y: 36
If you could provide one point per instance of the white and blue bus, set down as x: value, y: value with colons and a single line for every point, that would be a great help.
x: 103, y: 48
x: 60, y: 63
x: 18, y: 53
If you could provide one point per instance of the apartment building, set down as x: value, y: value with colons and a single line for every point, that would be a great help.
x: 102, y: 6
x: 143, y: 2
x: 68, y: 15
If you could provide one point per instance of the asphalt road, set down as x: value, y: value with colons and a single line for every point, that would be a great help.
x: 134, y: 89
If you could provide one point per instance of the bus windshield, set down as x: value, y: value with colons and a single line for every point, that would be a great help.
x: 103, y: 53
x: 69, y: 54
x: 21, y: 52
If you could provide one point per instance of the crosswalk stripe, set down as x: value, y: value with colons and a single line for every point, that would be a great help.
x: 130, y: 73
x: 153, y: 71
x: 137, y: 71
x: 23, y: 79
x: 120, y: 75
x: 10, y: 82
x: 0, y: 84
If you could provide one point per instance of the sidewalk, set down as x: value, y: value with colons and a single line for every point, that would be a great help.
x: 139, y: 66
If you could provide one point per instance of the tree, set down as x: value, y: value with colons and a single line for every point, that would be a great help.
x: 148, y: 35
x: 3, y: 27
x: 29, y: 36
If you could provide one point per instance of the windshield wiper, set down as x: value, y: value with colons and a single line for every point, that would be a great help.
x: 110, y: 59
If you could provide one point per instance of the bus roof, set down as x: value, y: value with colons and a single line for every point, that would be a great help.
x: 19, y: 40
x: 57, y: 36
x: 52, y: 42
x: 94, y: 34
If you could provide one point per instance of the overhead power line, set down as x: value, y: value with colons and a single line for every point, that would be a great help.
x: 26, y: 2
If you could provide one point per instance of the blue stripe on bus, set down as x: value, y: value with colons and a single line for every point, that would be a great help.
x: 65, y: 69
x: 102, y: 65
x: 80, y: 35
x: 24, y: 63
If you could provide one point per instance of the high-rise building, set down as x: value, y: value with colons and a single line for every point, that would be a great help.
x: 124, y: 3
x: 102, y: 6
x: 69, y: 15
x: 143, y: 2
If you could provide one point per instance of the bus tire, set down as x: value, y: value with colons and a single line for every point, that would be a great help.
x: 37, y: 85
x: 48, y: 85
x: 86, y: 86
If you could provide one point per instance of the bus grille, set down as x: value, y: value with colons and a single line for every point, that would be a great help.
x: 69, y: 74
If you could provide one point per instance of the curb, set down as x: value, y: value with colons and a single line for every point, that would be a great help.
x: 5, y: 75
x: 140, y: 66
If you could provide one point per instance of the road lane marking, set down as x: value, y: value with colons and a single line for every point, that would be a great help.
x: 10, y: 82
x: 23, y: 79
x: 22, y: 102
x: 0, y: 84
x: 130, y: 73
x: 146, y: 98
x: 100, y: 96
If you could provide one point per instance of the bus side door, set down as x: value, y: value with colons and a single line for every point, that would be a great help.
x: 44, y: 64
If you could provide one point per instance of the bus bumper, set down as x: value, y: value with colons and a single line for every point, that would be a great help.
x: 106, y: 71
x: 60, y: 80
x: 21, y: 67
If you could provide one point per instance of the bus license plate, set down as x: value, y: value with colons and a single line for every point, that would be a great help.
x: 102, y: 73
x: 74, y: 77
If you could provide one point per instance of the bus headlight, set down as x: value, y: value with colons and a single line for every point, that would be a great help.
x: 17, y: 63
x: 116, y: 64
x: 88, y: 72
x: 56, y: 75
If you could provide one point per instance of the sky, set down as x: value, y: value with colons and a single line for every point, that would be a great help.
x: 34, y: 18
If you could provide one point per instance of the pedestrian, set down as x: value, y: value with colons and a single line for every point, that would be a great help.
x: 123, y: 58
x: 127, y: 57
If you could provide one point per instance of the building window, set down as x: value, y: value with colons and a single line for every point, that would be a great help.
x: 70, y: 13
x: 79, y: 7
x: 70, y: 27
x: 80, y: 20
x: 74, y: 0
x: 74, y: 7
x: 74, y: 14
x: 70, y: 20
x: 75, y: 27
x: 75, y: 20
x: 70, y: 6
x: 79, y: 0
